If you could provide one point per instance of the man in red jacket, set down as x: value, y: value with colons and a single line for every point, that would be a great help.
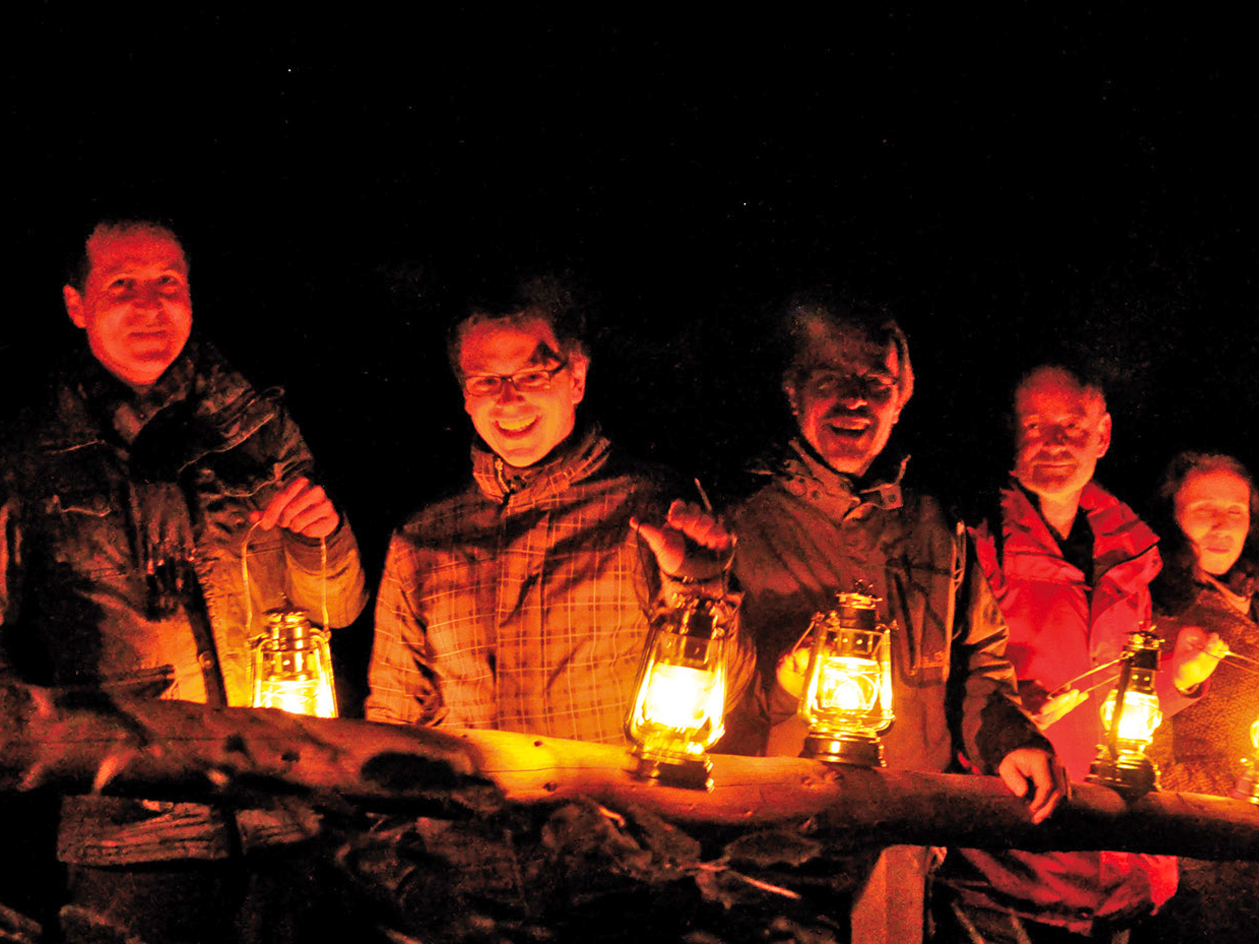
x: 1070, y: 566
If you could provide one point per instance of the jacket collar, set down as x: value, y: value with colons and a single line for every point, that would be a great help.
x: 219, y: 408
x: 1124, y: 548
x: 573, y: 461
x: 803, y: 474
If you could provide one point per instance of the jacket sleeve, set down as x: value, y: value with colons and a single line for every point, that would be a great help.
x: 313, y: 575
x: 985, y: 713
x: 403, y: 685
x: 331, y: 573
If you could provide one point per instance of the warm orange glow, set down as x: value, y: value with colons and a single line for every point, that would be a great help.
x: 848, y: 685
x: 680, y: 695
x: 677, y: 697
x: 293, y: 667
x: 1141, y: 715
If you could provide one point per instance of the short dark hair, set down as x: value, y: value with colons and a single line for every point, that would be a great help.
x: 550, y: 298
x: 80, y: 264
x: 1089, y: 384
x: 826, y: 306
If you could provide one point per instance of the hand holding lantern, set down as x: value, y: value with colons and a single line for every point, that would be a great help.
x: 291, y: 660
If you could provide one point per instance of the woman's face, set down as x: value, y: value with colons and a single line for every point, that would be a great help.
x: 1213, y: 509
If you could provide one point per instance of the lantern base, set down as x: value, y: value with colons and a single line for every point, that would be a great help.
x: 854, y: 749
x: 689, y: 773
x: 1127, y: 773
x: 1247, y: 787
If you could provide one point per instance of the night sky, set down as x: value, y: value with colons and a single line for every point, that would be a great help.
x: 1017, y: 187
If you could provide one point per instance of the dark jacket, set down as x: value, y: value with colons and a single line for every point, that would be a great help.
x: 808, y: 534
x: 124, y: 520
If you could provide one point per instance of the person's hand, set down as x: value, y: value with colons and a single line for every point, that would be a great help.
x: 792, y: 670
x: 1045, y: 710
x: 301, y: 507
x: 1041, y: 772
x: 684, y: 522
x: 1195, y: 657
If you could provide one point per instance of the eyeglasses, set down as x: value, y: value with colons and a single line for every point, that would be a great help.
x: 828, y: 382
x: 524, y: 381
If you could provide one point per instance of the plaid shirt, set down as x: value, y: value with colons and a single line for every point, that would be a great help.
x: 521, y: 604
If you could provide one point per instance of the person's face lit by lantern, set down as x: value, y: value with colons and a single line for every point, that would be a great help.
x: 521, y: 426
x: 1213, y: 510
x: 1061, y: 429
x: 135, y: 305
x: 846, y: 395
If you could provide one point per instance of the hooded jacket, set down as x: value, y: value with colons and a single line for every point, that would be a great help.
x: 811, y: 532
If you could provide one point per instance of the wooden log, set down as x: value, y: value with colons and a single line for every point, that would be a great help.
x: 78, y: 742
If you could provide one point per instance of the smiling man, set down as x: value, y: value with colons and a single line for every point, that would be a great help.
x: 522, y: 602
x: 1070, y: 566
x: 129, y: 496
x: 832, y: 517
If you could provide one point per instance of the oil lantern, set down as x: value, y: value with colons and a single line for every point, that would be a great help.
x: 1129, y: 716
x: 847, y: 698
x: 680, y: 693
x: 1247, y: 787
x: 293, y: 666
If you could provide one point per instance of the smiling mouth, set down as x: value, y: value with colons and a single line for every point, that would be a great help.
x: 848, y: 425
x: 516, y: 427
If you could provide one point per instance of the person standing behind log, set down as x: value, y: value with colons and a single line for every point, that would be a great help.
x: 1206, y: 511
x: 1070, y: 566
x: 521, y: 603
x: 830, y: 519
x: 129, y: 495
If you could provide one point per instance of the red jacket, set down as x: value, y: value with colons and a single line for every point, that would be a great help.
x: 1060, y: 628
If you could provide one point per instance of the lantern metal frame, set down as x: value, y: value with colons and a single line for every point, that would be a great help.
x: 1121, y: 763
x: 686, y: 648
x: 851, y: 632
x: 293, y: 652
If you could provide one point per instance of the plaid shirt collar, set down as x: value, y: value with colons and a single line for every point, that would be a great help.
x: 573, y: 461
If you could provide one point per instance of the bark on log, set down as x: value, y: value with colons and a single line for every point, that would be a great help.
x: 77, y: 742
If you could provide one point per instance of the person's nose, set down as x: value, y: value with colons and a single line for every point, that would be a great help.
x: 852, y: 393
x: 149, y: 300
x: 507, y: 392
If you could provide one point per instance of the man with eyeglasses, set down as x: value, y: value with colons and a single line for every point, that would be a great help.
x: 521, y: 603
x: 833, y: 517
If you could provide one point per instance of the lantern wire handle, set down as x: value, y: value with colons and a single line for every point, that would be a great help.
x: 1071, y: 683
x: 244, y: 578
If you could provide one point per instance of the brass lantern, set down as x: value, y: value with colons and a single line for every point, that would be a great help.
x: 680, y: 693
x: 292, y: 666
x: 1247, y: 787
x: 847, y: 698
x: 1129, y: 716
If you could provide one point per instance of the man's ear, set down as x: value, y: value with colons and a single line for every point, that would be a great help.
x: 74, y: 305
x: 789, y: 391
x: 578, y: 364
x: 1103, y: 435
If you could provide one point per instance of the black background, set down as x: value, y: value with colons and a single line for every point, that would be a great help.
x: 1017, y: 185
